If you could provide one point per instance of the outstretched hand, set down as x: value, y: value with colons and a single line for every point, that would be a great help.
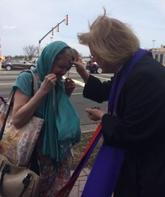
x: 80, y: 64
x: 95, y: 113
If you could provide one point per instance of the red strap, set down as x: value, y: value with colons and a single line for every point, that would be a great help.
x: 95, y: 134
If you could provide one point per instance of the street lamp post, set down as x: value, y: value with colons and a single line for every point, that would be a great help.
x: 153, y: 42
x: 52, y: 29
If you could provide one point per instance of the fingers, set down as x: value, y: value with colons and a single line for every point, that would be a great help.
x: 51, y: 78
x: 79, y: 62
x: 89, y: 110
x: 92, y: 114
x: 95, y: 113
x: 69, y: 82
x: 48, y: 83
x: 92, y: 109
x: 69, y: 85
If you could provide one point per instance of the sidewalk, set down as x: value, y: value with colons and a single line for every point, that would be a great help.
x: 79, y: 185
x: 78, y: 150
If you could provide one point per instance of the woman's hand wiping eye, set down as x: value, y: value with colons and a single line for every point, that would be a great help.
x: 48, y: 83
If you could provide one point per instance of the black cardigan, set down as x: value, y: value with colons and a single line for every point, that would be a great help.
x: 139, y: 128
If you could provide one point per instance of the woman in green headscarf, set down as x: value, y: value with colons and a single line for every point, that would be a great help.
x: 50, y: 102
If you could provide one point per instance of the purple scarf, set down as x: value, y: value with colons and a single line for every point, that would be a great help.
x: 106, y: 169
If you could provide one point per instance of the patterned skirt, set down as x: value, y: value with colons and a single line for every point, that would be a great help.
x: 52, y: 178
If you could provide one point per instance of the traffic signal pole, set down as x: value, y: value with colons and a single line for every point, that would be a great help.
x: 51, y: 31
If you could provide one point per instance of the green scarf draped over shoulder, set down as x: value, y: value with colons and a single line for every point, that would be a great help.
x: 57, y: 124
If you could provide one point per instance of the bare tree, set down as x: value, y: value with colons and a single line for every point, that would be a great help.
x: 30, y: 51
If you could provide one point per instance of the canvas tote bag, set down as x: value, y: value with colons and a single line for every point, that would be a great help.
x: 16, y: 147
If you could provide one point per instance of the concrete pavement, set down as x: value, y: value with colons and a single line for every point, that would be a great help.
x: 80, y: 183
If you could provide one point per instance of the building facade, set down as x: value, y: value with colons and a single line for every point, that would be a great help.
x: 159, y: 54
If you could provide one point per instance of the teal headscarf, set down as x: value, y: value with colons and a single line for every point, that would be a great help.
x: 48, y: 55
x: 50, y: 146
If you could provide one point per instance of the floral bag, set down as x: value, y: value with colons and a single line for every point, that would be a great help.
x: 18, y: 144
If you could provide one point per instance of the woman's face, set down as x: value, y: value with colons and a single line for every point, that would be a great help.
x: 62, y: 64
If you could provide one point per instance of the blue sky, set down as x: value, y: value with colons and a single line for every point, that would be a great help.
x: 24, y: 22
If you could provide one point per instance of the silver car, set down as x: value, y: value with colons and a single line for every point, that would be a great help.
x: 17, y: 65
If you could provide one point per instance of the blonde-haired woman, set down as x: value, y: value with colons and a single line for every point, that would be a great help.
x: 134, y: 122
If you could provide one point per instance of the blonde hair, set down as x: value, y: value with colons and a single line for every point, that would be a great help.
x: 110, y: 40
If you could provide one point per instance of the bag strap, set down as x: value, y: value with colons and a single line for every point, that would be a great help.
x: 35, y: 80
x: 26, y: 181
x: 9, y: 104
x: 2, y: 99
x: 5, y: 170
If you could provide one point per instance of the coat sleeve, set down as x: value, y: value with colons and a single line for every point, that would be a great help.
x: 142, y: 119
x: 96, y: 90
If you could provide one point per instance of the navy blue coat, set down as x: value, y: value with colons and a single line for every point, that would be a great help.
x: 139, y: 128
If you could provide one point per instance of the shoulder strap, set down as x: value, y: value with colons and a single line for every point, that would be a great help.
x: 2, y: 99
x: 8, y: 105
x: 35, y: 84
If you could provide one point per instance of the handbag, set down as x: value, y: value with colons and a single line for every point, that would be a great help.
x: 18, y: 144
x: 16, y: 147
x: 17, y: 181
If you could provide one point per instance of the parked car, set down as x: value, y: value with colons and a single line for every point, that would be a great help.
x: 17, y: 65
x: 93, y: 67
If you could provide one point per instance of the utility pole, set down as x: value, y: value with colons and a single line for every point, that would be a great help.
x: 153, y: 42
x: 52, y: 30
